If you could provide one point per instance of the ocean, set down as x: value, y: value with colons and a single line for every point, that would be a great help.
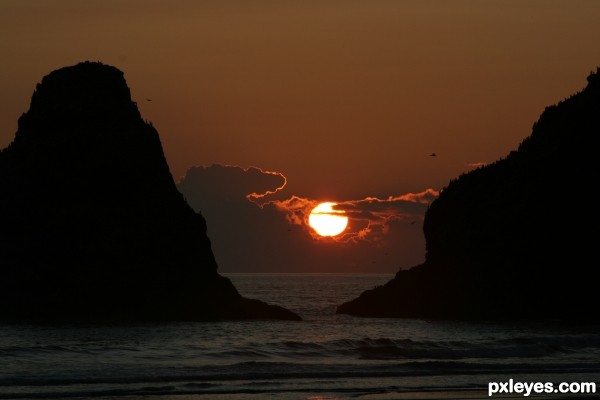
x: 325, y: 356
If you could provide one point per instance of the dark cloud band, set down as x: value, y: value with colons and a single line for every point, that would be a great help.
x: 255, y: 225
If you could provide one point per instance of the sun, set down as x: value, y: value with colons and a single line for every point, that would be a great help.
x: 326, y: 221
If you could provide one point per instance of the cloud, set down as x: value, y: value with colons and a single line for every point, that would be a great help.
x: 369, y: 217
x: 251, y: 230
x: 296, y: 209
x: 476, y: 164
x: 232, y: 181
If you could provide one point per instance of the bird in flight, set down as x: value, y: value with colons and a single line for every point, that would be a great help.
x: 432, y: 155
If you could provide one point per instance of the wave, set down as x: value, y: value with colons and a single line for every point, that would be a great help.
x: 522, y: 347
x: 266, y: 377
x: 256, y: 370
x: 288, y: 366
x: 407, y: 349
x: 39, y: 349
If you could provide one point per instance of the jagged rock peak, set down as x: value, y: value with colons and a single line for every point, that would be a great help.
x: 92, y: 226
x: 511, y: 239
x: 90, y: 93
x: 594, y: 79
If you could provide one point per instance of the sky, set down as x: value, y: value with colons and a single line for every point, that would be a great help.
x: 333, y: 100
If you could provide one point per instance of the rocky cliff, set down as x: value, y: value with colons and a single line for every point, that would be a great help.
x: 92, y: 226
x: 514, y: 239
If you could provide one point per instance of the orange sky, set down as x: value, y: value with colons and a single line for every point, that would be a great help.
x: 347, y: 98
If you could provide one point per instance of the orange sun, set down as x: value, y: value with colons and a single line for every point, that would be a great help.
x: 326, y: 221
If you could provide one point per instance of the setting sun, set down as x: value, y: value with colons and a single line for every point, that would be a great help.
x: 326, y: 221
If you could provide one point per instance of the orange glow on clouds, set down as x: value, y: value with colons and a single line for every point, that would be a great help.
x: 364, y: 220
x: 253, y: 212
x: 476, y: 164
x: 371, y: 217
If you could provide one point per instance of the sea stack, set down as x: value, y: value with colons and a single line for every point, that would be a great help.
x: 92, y: 226
x: 515, y: 239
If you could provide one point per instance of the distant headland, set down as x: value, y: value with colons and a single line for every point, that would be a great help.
x: 514, y: 239
x: 92, y: 226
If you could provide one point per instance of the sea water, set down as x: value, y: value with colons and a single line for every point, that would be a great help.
x: 325, y: 356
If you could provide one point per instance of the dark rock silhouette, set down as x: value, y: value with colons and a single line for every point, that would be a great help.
x: 514, y: 239
x: 92, y: 226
